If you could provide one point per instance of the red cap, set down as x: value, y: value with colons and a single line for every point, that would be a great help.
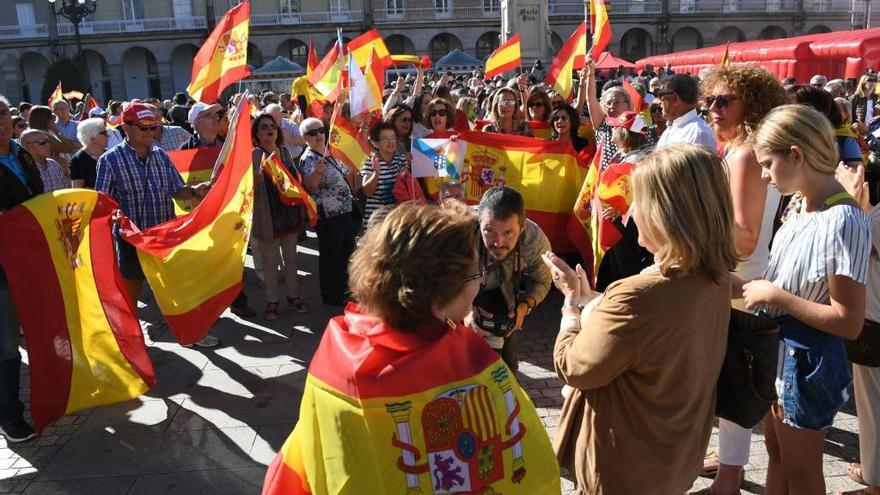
x: 140, y: 114
x: 630, y: 120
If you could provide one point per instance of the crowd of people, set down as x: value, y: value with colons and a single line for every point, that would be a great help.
x: 748, y: 192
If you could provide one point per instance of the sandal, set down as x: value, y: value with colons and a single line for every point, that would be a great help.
x: 854, y: 471
x: 271, y: 311
x: 710, y: 464
x: 297, y: 304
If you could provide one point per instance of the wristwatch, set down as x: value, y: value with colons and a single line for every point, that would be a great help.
x: 572, y: 304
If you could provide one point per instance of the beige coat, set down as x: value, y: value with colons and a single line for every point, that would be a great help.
x: 644, y: 369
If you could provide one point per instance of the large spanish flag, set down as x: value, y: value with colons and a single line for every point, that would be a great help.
x: 84, y: 341
x: 506, y: 57
x: 546, y: 173
x: 347, y: 144
x: 361, y: 47
x: 372, y: 420
x: 194, y: 263
x: 195, y: 166
x: 290, y: 190
x: 569, y: 59
x: 222, y: 59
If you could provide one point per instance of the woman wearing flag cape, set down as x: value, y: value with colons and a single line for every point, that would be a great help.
x: 401, y: 397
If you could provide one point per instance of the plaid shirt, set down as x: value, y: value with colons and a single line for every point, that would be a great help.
x: 173, y: 137
x: 142, y: 188
x: 52, y: 176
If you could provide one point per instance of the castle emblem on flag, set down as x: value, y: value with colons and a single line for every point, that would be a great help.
x: 464, y: 438
x: 233, y: 45
x: 69, y: 226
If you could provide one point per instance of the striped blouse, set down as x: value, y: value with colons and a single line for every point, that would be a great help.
x: 810, y: 248
x: 387, y: 177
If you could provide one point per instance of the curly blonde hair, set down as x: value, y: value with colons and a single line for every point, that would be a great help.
x: 416, y: 258
x: 756, y: 87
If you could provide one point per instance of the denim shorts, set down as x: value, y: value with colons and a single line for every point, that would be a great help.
x: 814, y: 375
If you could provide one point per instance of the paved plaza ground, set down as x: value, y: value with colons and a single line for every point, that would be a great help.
x: 217, y: 416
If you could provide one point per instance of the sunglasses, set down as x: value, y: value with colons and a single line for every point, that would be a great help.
x: 268, y: 127
x: 404, y: 119
x: 434, y: 113
x: 720, y: 101
x: 477, y: 276
x: 315, y: 132
x: 507, y: 103
x: 151, y: 128
x: 536, y: 103
x: 560, y: 117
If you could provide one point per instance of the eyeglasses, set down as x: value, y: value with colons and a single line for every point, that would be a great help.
x: 434, y: 113
x: 720, y: 101
x: 477, y: 276
x: 315, y: 132
x: 536, y: 103
x: 563, y: 118
x: 389, y: 139
x: 268, y: 127
x: 615, y: 102
x: 665, y: 93
x: 507, y: 103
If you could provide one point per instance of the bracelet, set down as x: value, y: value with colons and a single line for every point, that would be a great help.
x: 572, y: 304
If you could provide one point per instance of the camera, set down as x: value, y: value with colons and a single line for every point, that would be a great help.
x: 493, y: 302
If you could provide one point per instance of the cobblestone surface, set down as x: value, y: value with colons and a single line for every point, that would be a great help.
x: 217, y: 416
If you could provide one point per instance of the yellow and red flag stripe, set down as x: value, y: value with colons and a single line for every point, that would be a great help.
x: 347, y: 144
x: 222, y: 59
x: 290, y: 190
x: 424, y: 61
x: 361, y: 47
x: 194, y: 263
x: 569, y: 59
x: 370, y: 416
x: 313, y: 57
x: 614, y: 190
x: 506, y: 57
x: 541, y: 129
x: 84, y: 341
x: 195, y: 166
x: 327, y: 77
x: 581, y: 227
x: 601, y: 28
x: 375, y: 76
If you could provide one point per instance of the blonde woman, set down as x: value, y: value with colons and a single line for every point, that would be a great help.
x: 503, y: 115
x: 629, y: 426
x: 814, y: 288
x: 864, y: 99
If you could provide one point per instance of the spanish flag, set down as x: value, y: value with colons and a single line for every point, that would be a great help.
x: 541, y: 129
x: 601, y: 28
x: 375, y: 75
x: 194, y: 263
x: 56, y: 95
x: 195, y: 166
x: 290, y: 190
x: 313, y: 57
x: 725, y: 59
x: 327, y: 77
x: 569, y: 59
x: 424, y: 61
x: 614, y: 190
x: 90, y: 103
x: 546, y: 173
x: 222, y: 60
x: 347, y: 144
x: 638, y: 101
x: 505, y: 58
x: 372, y: 420
x: 361, y: 47
x: 314, y: 100
x: 582, y: 224
x: 84, y: 341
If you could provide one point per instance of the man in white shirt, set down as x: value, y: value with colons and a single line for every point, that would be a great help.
x: 678, y: 99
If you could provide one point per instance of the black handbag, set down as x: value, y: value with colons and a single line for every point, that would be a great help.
x: 747, y: 384
x: 865, y: 350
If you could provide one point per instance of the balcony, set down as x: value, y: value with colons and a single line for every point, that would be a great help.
x: 294, y: 18
x: 434, y: 14
x: 133, y: 25
x: 634, y: 7
x: 23, y: 32
x: 691, y: 7
x: 567, y: 8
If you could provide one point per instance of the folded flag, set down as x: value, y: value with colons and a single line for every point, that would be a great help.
x: 290, y: 190
x: 84, y: 341
x: 372, y: 415
x: 195, y: 166
x: 347, y: 144
x: 506, y: 57
x: 431, y: 158
x: 194, y: 263
x: 222, y: 59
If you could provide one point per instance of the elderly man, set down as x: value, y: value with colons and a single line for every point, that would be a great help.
x: 516, y: 279
x: 19, y: 182
x: 63, y: 119
x: 818, y: 81
x: 168, y: 137
x: 678, y: 101
x: 36, y: 142
x: 293, y: 140
x: 450, y: 191
x: 144, y: 182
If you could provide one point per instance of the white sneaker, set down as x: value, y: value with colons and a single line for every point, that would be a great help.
x: 207, y: 342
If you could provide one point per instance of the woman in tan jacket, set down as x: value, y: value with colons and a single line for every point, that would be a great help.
x: 643, y: 363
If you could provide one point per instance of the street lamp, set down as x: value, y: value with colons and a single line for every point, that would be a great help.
x: 74, y: 11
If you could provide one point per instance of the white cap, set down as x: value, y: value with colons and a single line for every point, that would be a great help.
x: 197, y: 109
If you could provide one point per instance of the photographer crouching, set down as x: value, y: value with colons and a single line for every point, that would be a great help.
x: 515, y: 279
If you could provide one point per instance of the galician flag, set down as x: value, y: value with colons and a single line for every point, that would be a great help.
x: 372, y: 420
x: 435, y: 158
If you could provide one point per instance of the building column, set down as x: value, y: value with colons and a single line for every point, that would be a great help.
x: 166, y: 79
x: 117, y: 81
x: 12, y: 85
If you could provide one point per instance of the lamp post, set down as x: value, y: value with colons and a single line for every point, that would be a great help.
x: 75, y: 11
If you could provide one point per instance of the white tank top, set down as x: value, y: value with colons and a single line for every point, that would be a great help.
x: 754, y: 266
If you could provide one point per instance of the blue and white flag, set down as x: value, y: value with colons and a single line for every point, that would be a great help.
x: 437, y: 158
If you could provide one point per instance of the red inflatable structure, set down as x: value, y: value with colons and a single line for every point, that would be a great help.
x: 840, y: 54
